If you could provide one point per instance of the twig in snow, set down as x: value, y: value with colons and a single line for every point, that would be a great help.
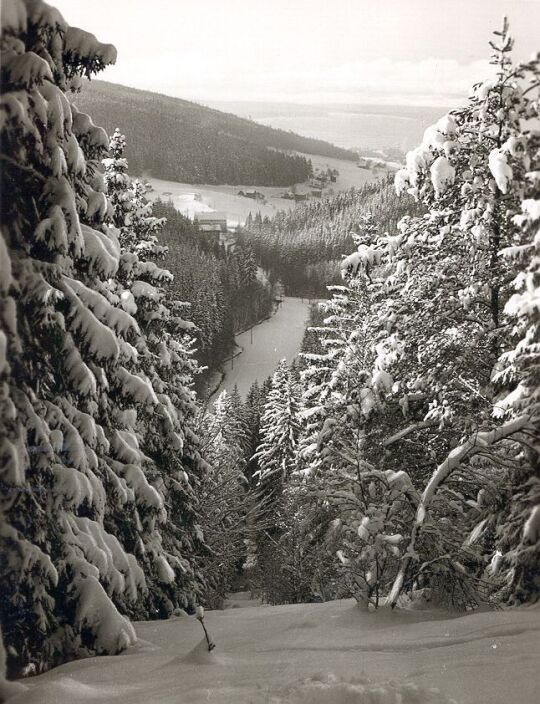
x: 199, y: 613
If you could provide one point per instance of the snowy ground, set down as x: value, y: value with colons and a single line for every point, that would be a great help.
x: 350, y: 176
x: 310, y: 654
x: 190, y: 199
x: 274, y: 339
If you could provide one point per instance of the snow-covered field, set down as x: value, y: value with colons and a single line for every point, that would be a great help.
x: 310, y: 654
x: 274, y: 339
x: 350, y: 176
x: 190, y: 199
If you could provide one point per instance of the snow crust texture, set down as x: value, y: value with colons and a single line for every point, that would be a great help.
x: 333, y: 652
x: 332, y: 690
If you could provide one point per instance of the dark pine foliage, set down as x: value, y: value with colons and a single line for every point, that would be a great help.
x: 222, y: 289
x: 178, y: 140
x: 303, y: 247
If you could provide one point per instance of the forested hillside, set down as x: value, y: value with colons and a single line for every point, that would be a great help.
x: 303, y: 247
x: 177, y: 140
x: 223, y: 291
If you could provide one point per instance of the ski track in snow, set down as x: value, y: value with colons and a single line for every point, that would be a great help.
x: 310, y: 654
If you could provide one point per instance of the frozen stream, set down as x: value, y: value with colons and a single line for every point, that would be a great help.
x: 265, y: 345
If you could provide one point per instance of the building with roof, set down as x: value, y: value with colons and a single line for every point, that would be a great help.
x: 213, y: 222
x: 251, y: 193
x: 214, y: 226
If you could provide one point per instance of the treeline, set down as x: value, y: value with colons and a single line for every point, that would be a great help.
x: 246, y: 441
x: 303, y: 247
x: 223, y: 291
x: 197, y: 144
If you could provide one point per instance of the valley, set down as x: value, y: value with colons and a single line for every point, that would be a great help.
x: 191, y: 199
x: 269, y: 399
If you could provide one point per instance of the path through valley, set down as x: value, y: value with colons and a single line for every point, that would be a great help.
x: 265, y: 345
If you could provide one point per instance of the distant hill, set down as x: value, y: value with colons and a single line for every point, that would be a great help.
x: 368, y: 129
x: 178, y: 140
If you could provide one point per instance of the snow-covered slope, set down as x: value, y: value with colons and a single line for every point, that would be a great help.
x: 311, y: 653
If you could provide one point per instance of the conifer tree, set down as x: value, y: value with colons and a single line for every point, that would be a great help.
x: 519, y: 532
x: 518, y: 529
x: 276, y: 452
x: 276, y: 458
x: 224, y: 495
x: 411, y: 364
x: 489, y: 157
x: 89, y: 528
x: 167, y: 433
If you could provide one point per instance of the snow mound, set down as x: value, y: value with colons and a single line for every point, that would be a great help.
x: 73, y: 690
x: 199, y: 655
x: 329, y: 689
x: 113, y: 632
x: 10, y: 689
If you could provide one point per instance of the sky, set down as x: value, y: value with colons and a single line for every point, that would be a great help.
x: 310, y: 51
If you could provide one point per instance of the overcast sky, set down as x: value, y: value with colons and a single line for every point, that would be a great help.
x: 400, y: 51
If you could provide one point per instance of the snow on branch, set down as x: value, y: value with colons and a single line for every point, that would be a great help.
x: 477, y: 442
x: 408, y: 430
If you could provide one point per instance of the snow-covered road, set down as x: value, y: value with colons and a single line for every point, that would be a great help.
x: 310, y: 654
x: 274, y: 339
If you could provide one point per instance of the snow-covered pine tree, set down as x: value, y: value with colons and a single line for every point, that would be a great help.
x: 223, y: 495
x: 56, y: 343
x: 73, y: 465
x: 470, y: 172
x: 276, y: 453
x: 118, y: 181
x: 419, y: 334
x: 346, y: 418
x: 252, y: 411
x: 518, y: 529
x: 166, y: 433
x: 276, y: 460
x: 519, y: 532
x: 327, y: 376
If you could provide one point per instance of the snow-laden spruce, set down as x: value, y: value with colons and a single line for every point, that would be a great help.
x: 99, y: 464
x: 167, y: 367
x: 422, y: 379
x: 279, y: 431
x: 275, y: 459
x: 224, y: 502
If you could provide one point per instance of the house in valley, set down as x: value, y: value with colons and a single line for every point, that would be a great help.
x: 212, y: 223
x: 253, y: 194
x: 213, y: 226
